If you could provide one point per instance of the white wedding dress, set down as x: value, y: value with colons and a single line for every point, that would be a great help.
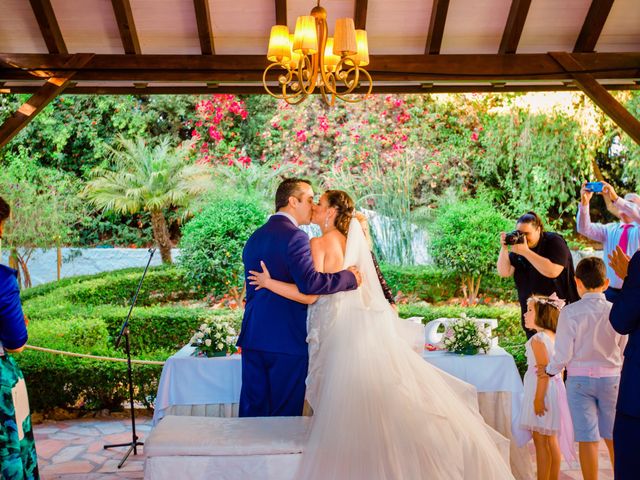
x: 380, y: 411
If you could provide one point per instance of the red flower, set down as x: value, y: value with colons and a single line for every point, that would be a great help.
x: 474, y: 136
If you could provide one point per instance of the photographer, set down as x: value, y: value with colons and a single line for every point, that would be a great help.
x: 540, y: 263
x: 624, y: 233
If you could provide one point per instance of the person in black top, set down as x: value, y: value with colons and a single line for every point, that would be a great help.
x: 541, y: 264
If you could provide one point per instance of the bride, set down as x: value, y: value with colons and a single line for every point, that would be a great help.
x: 380, y: 410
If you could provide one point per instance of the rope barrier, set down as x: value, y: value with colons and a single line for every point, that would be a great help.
x: 95, y: 357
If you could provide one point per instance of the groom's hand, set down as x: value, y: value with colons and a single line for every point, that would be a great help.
x: 357, y: 274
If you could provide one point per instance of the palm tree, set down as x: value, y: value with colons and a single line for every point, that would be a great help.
x: 152, y: 179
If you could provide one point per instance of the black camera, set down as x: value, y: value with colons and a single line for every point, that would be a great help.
x: 514, y: 237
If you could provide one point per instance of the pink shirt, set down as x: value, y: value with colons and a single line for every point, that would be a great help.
x: 586, y: 343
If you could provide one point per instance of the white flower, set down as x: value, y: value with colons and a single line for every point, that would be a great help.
x: 207, y: 330
x: 203, y: 326
x: 199, y: 335
x: 207, y: 342
x: 218, y: 335
x: 220, y: 346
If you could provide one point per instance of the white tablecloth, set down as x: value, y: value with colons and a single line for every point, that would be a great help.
x: 189, y: 380
x: 211, y: 387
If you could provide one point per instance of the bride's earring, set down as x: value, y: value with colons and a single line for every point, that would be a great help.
x: 326, y: 222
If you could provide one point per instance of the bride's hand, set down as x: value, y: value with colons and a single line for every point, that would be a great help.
x: 259, y: 279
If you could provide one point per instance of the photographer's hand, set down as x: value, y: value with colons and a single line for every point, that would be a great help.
x: 503, y: 236
x: 521, y: 248
x: 607, y: 189
x: 504, y: 267
x: 585, y: 195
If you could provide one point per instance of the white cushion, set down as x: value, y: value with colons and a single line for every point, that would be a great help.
x: 214, y: 436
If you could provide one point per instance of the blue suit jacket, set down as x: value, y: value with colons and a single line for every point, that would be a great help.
x: 273, y: 323
x: 13, y: 332
x: 625, y: 319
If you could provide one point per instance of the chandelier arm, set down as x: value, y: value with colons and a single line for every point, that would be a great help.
x: 264, y: 78
x: 342, y: 96
x: 306, y: 86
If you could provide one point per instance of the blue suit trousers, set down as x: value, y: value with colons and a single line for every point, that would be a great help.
x: 272, y: 384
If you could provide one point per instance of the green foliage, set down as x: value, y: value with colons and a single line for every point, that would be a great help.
x: 434, y: 285
x: 146, y: 178
x: 65, y: 316
x: 465, y: 240
x: 212, y: 243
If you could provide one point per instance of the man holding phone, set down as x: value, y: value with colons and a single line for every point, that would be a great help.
x: 625, y: 234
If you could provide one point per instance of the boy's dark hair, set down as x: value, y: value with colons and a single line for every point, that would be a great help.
x: 592, y: 272
x: 289, y: 187
x: 5, y: 210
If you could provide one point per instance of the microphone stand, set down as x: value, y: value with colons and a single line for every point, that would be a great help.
x: 124, y: 332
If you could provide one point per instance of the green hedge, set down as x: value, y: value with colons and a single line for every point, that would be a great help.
x: 435, y: 285
x: 84, y: 315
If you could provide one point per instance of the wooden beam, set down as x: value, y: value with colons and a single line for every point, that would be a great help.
x: 221, y: 68
x: 281, y: 12
x: 49, y: 27
x: 596, y: 92
x: 436, y: 26
x: 593, y: 25
x: 127, y: 27
x: 515, y: 24
x: 40, y: 99
x: 205, y: 32
x: 360, y: 14
x: 259, y: 89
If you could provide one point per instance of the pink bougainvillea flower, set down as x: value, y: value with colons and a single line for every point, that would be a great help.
x: 474, y: 136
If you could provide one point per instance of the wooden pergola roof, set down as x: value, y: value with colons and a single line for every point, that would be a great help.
x: 219, y: 46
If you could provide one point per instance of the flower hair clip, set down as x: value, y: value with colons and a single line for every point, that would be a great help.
x: 554, y: 301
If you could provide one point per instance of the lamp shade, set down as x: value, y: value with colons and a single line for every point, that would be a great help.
x: 330, y: 58
x: 362, y: 57
x: 279, y: 46
x: 305, y: 37
x: 345, y: 37
x: 295, y: 57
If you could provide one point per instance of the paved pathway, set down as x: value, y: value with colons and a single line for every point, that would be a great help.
x: 73, y: 450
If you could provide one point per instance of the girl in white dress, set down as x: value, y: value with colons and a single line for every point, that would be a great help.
x: 545, y: 411
x: 380, y: 411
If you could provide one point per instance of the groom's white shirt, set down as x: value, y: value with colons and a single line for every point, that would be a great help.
x: 290, y: 217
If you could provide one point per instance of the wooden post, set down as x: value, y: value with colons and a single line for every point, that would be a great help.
x: 599, y: 95
x: 50, y: 90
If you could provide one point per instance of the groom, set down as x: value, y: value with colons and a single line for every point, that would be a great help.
x: 274, y: 329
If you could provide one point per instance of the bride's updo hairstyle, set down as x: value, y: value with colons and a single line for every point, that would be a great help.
x: 344, y: 206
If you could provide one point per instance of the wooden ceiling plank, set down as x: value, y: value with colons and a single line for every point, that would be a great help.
x: 126, y: 26
x: 259, y: 89
x: 205, y: 30
x: 41, y: 98
x: 514, y: 26
x: 600, y: 96
x: 593, y: 25
x: 49, y: 27
x: 436, y: 27
x: 281, y: 12
x: 360, y: 14
x: 382, y: 67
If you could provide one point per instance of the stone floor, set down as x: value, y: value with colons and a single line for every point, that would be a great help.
x: 74, y: 450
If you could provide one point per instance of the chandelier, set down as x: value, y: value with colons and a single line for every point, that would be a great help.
x: 311, y: 59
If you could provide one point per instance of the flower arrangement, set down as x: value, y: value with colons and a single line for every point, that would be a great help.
x: 465, y: 336
x: 214, y: 339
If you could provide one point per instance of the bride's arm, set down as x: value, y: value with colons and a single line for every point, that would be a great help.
x: 287, y: 290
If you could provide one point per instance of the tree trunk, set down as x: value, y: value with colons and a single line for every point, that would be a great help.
x: 161, y: 235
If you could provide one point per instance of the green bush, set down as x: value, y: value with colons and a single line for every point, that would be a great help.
x: 434, y: 285
x: 465, y: 241
x: 212, y: 243
x: 84, y: 315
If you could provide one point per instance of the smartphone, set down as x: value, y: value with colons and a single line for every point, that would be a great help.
x: 595, y: 187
